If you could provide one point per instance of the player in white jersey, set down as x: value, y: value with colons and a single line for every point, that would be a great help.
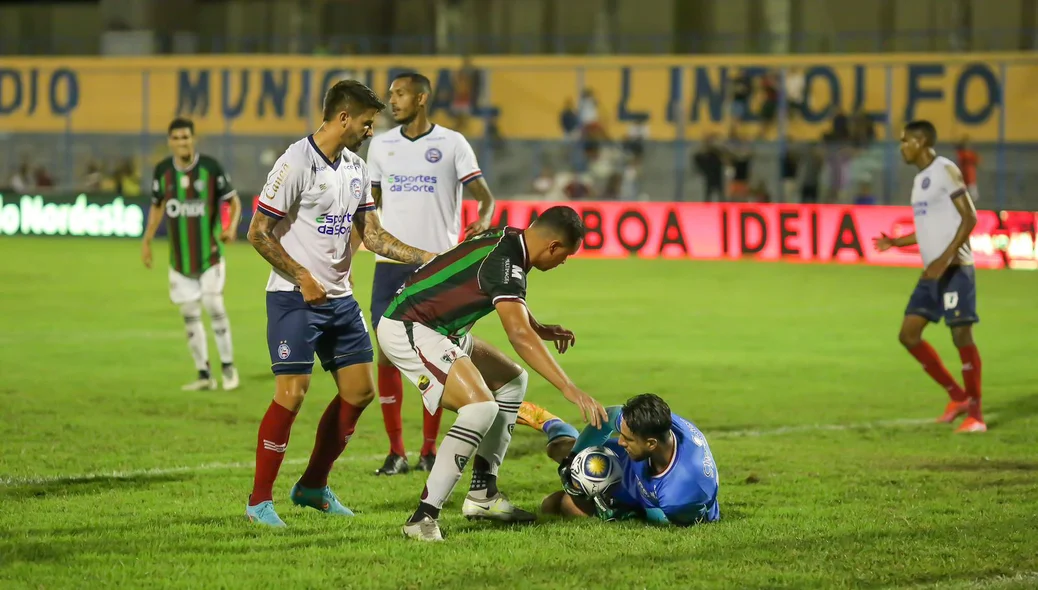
x: 316, y: 193
x: 944, y: 217
x: 418, y: 173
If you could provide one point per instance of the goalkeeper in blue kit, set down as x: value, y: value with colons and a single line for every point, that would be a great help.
x: 669, y: 474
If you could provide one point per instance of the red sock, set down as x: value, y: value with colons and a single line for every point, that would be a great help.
x: 928, y: 357
x: 971, y: 378
x: 274, y: 431
x: 430, y: 429
x: 333, y: 432
x: 391, y: 398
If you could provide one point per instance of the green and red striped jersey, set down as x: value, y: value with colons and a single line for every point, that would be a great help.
x: 191, y: 199
x: 454, y: 290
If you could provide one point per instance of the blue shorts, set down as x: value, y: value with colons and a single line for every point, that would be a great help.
x: 953, y: 297
x: 388, y: 278
x: 334, y: 330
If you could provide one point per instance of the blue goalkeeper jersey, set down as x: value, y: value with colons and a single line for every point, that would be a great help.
x: 684, y: 493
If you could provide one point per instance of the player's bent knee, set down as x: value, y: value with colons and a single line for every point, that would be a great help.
x: 909, y: 338
x: 290, y: 390
x: 355, y: 385
x: 213, y: 303
x: 551, y: 504
x: 575, y: 507
x: 191, y: 311
x: 514, y: 391
x: 962, y: 336
x: 560, y: 448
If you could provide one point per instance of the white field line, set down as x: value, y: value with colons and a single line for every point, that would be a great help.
x: 348, y: 458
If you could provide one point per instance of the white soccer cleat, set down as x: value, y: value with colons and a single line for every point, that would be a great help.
x: 498, y: 508
x: 200, y: 385
x: 426, y: 529
x: 230, y: 378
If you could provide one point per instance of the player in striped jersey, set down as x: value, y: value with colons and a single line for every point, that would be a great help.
x: 188, y: 190
x: 425, y: 334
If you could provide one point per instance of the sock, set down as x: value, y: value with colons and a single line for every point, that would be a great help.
x: 196, y: 340
x: 556, y: 428
x: 492, y: 449
x: 460, y: 442
x: 391, y: 398
x: 333, y: 433
x: 430, y: 430
x: 274, y: 431
x: 928, y: 357
x: 221, y: 327
x: 971, y: 378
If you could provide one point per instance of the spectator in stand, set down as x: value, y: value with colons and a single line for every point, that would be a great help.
x: 739, y: 101
x: 813, y: 163
x: 22, y: 181
x: 795, y: 98
x: 790, y: 166
x: 43, y: 178
x: 709, y: 162
x: 569, y: 120
x: 968, y: 162
x: 769, y: 85
x: 740, y: 157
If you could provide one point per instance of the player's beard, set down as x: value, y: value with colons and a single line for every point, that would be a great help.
x: 405, y: 121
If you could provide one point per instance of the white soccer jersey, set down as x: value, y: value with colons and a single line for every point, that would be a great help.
x: 936, y: 218
x: 315, y: 201
x: 421, y: 181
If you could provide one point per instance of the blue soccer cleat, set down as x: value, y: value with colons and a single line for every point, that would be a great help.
x: 263, y: 513
x: 323, y: 499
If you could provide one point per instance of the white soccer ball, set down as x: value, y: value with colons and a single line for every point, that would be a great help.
x: 595, y: 469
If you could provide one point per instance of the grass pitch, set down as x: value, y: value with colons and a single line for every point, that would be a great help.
x: 832, y: 474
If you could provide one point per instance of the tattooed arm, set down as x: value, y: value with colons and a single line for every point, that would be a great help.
x: 261, y: 236
x: 379, y: 241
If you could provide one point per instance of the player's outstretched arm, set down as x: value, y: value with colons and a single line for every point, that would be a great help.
x: 596, y: 437
x: 561, y: 337
x: 530, y: 348
x: 154, y: 219
x: 261, y: 236
x: 480, y: 191
x: 885, y: 242
x: 379, y: 241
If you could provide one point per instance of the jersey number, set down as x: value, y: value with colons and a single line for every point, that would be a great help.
x: 951, y: 300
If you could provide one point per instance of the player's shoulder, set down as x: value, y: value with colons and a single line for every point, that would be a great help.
x: 389, y: 137
x: 164, y: 164
x: 351, y: 159
x: 448, y: 135
x: 208, y: 161
x: 949, y: 169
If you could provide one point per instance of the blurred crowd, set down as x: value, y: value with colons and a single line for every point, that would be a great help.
x: 121, y: 176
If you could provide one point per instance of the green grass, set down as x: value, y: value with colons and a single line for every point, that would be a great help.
x: 763, y: 357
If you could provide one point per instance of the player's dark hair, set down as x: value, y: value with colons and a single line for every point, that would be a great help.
x: 924, y: 128
x: 647, y: 416
x: 564, y: 221
x: 350, y: 96
x: 181, y: 123
x: 419, y: 83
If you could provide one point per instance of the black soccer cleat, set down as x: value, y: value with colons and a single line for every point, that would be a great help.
x: 425, y: 462
x: 394, y: 465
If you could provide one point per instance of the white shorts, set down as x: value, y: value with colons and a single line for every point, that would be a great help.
x: 184, y: 289
x: 423, y: 355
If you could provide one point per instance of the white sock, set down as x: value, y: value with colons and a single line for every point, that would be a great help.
x: 196, y: 340
x: 491, y: 451
x: 221, y: 327
x: 457, y: 448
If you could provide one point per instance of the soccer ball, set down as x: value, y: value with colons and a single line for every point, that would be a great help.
x: 595, y: 469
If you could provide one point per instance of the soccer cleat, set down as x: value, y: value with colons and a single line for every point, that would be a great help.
x: 323, y: 499
x: 953, y: 410
x: 425, y: 462
x: 426, y: 529
x: 263, y: 513
x: 533, y: 416
x: 971, y: 424
x: 394, y: 465
x: 230, y: 378
x: 200, y: 384
x: 498, y: 507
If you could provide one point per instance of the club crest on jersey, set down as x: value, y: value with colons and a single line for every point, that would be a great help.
x: 185, y: 181
x: 450, y: 356
x: 433, y: 155
x: 283, y: 350
x: 926, y: 183
x: 199, y: 185
x: 355, y: 188
x: 423, y: 382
